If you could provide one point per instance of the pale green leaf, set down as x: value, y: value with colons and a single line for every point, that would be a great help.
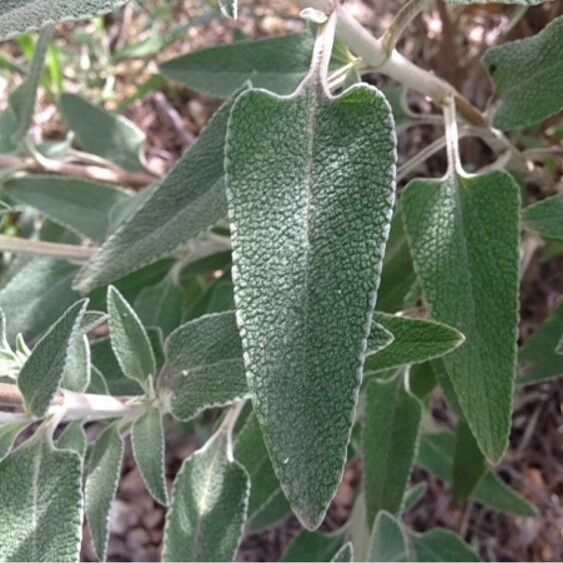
x: 102, y: 133
x: 276, y: 509
x: 208, y: 505
x: 359, y: 530
x: 187, y: 202
x: 98, y: 385
x: 79, y: 205
x: 76, y: 376
x: 129, y: 339
x: 42, y: 373
x: 276, y: 63
x: 147, y: 439
x: 538, y: 357
x: 101, y: 485
x: 442, y: 545
x: 312, y: 546
x: 469, y: 463
x: 40, y: 503
x: 436, y: 453
x: 345, y: 554
x: 388, y: 540
x: 19, y: 17
x: 156, y: 339
x: 545, y: 217
x: 204, y: 365
x: 8, y: 433
x: 389, y: 443
x: 414, y: 495
x: 307, y: 253
x: 415, y: 341
x: 464, y: 234
x: 527, y: 77
x: 73, y: 438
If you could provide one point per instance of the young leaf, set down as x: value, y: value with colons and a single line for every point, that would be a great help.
x: 312, y: 546
x: 389, y: 443
x: 129, y: 340
x: 208, y: 507
x: 187, y: 202
x: 442, y: 545
x: 464, y: 236
x: 310, y: 169
x: 345, y: 554
x: 204, y: 365
x: 414, y: 495
x: 101, y: 485
x: 37, y: 295
x: 123, y: 142
x: 42, y: 373
x: 276, y: 63
x: 74, y: 438
x: 469, y: 463
x: 545, y: 217
x: 40, y: 503
x: 526, y: 74
x: 147, y: 439
x: 388, y: 540
x: 415, y: 341
x: 436, y: 453
x: 8, y: 433
x: 79, y: 205
x: 76, y: 376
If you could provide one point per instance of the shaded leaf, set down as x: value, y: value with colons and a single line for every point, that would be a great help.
x: 74, y: 438
x: 345, y: 554
x: 545, y: 217
x: 8, y: 433
x: 442, y: 545
x: 312, y: 546
x: 414, y: 495
x: 469, y: 463
x: 388, y: 540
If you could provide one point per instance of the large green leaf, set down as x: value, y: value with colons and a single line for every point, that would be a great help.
x: 42, y: 373
x: 414, y: 341
x: 188, y: 201
x: 276, y: 63
x: 208, y: 507
x: 312, y: 546
x: 79, y: 205
x: 40, y: 503
x: 147, y: 439
x: 436, y: 453
x: 310, y: 184
x: 538, y: 357
x: 388, y: 540
x: 389, y: 443
x: 527, y: 76
x: 204, y: 365
x: 129, y: 339
x: 18, y: 17
x: 545, y: 217
x: 102, y: 133
x: 442, y: 545
x: 469, y: 463
x: 101, y: 485
x: 464, y: 235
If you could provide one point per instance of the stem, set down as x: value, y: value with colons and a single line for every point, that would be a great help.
x: 31, y: 247
x: 406, y: 14
x: 228, y: 426
x: 452, y: 139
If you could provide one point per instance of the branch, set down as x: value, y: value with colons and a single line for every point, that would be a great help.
x: 31, y: 247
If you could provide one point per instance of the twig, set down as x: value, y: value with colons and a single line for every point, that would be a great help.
x: 406, y: 14
x: 31, y: 247
x: 166, y: 110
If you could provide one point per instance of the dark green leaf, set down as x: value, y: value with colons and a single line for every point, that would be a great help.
x: 545, y: 217
x: 469, y: 463
x: 442, y: 545
x: 312, y: 546
x: 74, y: 438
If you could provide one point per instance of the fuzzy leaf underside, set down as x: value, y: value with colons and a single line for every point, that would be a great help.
x: 464, y: 237
x: 388, y: 541
x: 310, y: 184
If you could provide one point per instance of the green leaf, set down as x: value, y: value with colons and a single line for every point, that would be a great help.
x: 42, y: 373
x: 21, y: 17
x: 8, y: 433
x: 442, y: 545
x: 545, y: 217
x: 187, y: 202
x: 204, y: 366
x: 208, y: 507
x: 436, y: 453
x: 98, y: 385
x: 76, y: 376
x: 147, y: 439
x: 229, y: 8
x: 22, y: 100
x: 101, y: 485
x: 345, y: 554
x: 122, y: 142
x: 422, y: 380
x: 414, y: 495
x: 157, y: 344
x: 276, y: 63
x: 37, y: 295
x: 129, y: 339
x: 389, y: 443
x: 415, y: 341
x: 74, y: 438
x: 79, y: 205
x: 539, y: 358
x: 161, y: 306
x: 40, y: 503
x: 526, y: 74
x: 307, y: 253
x: 464, y: 235
x: 312, y: 546
x: 388, y: 540
x: 469, y: 463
